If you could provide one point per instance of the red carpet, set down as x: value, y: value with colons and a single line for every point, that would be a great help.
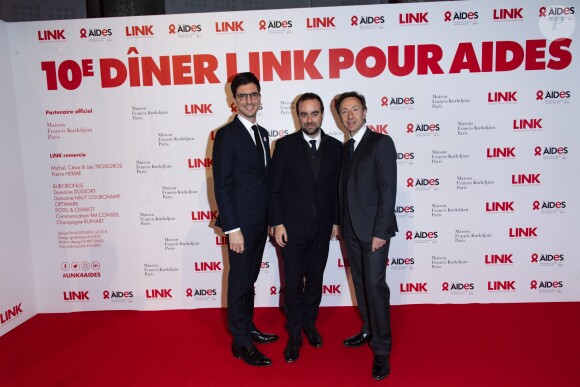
x: 434, y: 345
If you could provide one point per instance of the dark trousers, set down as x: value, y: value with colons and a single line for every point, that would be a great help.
x: 244, y: 270
x: 305, y: 256
x: 368, y: 271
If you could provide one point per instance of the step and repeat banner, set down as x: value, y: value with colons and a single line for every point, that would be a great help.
x: 117, y: 119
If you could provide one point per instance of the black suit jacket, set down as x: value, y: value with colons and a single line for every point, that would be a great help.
x: 370, y: 182
x: 296, y: 195
x: 240, y: 178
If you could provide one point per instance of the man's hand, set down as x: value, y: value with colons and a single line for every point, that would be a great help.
x: 377, y: 244
x: 335, y: 231
x: 280, y: 235
x: 236, y: 240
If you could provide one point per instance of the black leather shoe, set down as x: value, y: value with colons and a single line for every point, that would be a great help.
x: 263, y: 338
x: 251, y: 355
x: 357, y: 340
x: 313, y: 336
x: 381, y: 367
x: 292, y: 350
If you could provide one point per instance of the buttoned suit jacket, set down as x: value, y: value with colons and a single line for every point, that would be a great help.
x: 295, y: 193
x: 240, y: 180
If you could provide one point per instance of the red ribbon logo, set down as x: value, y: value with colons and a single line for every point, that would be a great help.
x: 172, y: 28
x: 234, y: 108
x: 384, y: 101
x: 83, y: 33
x: 410, y: 182
x: 354, y: 21
x: 536, y: 205
x: 272, y: 290
x: 543, y: 12
x: 409, y: 235
x: 534, y: 284
x: 262, y: 25
x: 410, y: 128
x: 534, y: 258
x: 106, y: 294
x: 539, y: 95
x: 447, y: 16
x: 188, y: 292
x: 537, y: 151
x: 445, y: 287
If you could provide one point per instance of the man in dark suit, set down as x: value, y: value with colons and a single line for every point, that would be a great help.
x: 241, y: 155
x: 303, y: 211
x: 367, y: 194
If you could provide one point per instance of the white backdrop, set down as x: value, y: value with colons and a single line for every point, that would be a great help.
x: 17, y: 290
x: 117, y: 118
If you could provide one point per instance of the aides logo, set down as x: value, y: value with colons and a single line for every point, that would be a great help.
x: 458, y: 288
x: 275, y: 291
x: 275, y: 26
x: 422, y: 236
x: 9, y: 314
x: 139, y: 31
x: 78, y: 296
x: 461, y: 18
x: 331, y: 290
x: 201, y: 294
x: 320, y: 23
x: 551, y: 152
x: 423, y: 129
x: 380, y: 128
x: 523, y: 232
x: 118, y: 296
x: 398, y: 103
x: 508, y: 14
x: 547, y: 286
x: 547, y: 207
x: 158, y: 294
x: 502, y: 97
x: 204, y: 216
x: 499, y: 207
x: 498, y: 259
x: 406, y: 158
x: 204, y: 163
x: 265, y: 267
x: 553, y: 96
x: 423, y: 184
x: 416, y: 18
x: 229, y: 27
x: 203, y: 109
x: 501, y: 286
x: 367, y: 22
x: 51, y: 36
x: 401, y: 263
x: 96, y: 34
x: 527, y: 124
x: 207, y: 267
x: 526, y: 179
x: 404, y: 211
x: 501, y: 153
x: 413, y: 288
x: 548, y: 260
x: 185, y: 30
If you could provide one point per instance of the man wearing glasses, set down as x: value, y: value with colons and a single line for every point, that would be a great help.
x: 241, y: 155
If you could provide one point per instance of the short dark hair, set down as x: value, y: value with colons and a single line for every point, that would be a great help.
x: 243, y: 79
x: 348, y: 94
x: 307, y: 96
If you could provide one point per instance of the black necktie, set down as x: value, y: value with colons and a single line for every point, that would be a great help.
x: 351, y: 148
x: 259, y: 147
x: 312, y: 147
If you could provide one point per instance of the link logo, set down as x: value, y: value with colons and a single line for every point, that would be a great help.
x: 500, y: 97
x: 9, y: 314
x: 505, y: 14
x: 501, y: 286
x: 413, y: 287
x: 498, y: 259
x: 51, y: 36
x: 320, y: 23
x: 417, y: 18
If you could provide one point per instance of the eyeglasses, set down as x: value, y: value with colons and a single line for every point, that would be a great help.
x: 244, y: 96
